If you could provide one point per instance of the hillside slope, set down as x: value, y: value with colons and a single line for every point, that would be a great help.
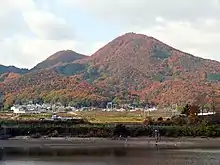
x: 11, y: 69
x: 49, y: 86
x: 130, y: 64
x: 149, y: 57
x: 135, y: 62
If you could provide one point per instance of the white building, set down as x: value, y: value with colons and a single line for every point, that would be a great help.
x: 18, y: 109
x: 152, y: 109
x: 206, y: 113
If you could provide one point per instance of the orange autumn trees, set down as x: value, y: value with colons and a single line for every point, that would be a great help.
x: 51, y: 87
x: 131, y: 63
x: 191, y: 111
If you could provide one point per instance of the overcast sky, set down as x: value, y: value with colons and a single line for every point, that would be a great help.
x: 32, y: 30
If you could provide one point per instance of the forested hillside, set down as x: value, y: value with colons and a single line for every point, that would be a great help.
x: 132, y: 64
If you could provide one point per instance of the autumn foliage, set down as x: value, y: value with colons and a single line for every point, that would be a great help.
x: 131, y: 63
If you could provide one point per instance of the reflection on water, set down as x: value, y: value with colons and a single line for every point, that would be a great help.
x: 109, y: 156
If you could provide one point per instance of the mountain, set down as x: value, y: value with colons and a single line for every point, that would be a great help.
x: 59, y: 58
x: 11, y: 69
x: 145, y: 58
x: 130, y: 65
x: 154, y: 70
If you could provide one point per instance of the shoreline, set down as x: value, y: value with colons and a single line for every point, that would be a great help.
x: 99, y: 143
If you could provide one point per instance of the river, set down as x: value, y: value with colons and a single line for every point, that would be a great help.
x: 112, y: 156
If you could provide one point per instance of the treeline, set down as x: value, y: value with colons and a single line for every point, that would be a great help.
x: 174, y: 127
x: 81, y: 102
x: 110, y: 131
x: 66, y: 98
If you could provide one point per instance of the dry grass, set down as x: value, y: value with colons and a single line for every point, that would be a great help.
x: 99, y: 116
x: 111, y: 117
x: 123, y: 117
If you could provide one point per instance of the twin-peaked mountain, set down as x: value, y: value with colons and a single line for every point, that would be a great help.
x: 130, y: 64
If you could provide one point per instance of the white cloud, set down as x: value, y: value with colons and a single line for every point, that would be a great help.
x: 95, y: 47
x: 182, y: 35
x: 17, y: 5
x: 31, y: 31
x: 27, y: 52
x: 19, y: 20
x: 46, y: 25
x: 190, y: 25
x: 145, y: 10
x: 11, y: 21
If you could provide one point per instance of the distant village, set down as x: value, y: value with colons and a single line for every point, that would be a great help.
x: 57, y: 108
x: 52, y: 108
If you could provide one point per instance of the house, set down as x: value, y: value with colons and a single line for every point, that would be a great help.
x: 17, y: 109
x: 47, y: 106
x: 121, y: 110
x: 31, y: 107
x: 152, y: 109
x: 206, y: 113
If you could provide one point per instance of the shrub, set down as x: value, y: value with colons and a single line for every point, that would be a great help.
x: 120, y: 130
x: 148, y: 121
x: 171, y: 131
x: 160, y: 119
x: 179, y: 120
x: 160, y: 53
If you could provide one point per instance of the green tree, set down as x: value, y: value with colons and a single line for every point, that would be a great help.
x: 186, y: 110
x: 116, y: 100
x: 180, y: 108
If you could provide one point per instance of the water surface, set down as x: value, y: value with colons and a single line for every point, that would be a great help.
x: 111, y: 156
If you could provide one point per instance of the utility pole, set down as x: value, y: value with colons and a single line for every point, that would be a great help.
x: 144, y: 113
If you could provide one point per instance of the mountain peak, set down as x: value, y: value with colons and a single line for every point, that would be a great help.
x: 131, y: 47
x: 61, y: 57
x: 63, y: 54
x: 136, y: 35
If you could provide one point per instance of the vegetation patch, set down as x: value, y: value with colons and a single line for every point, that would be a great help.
x: 213, y: 77
x: 159, y: 78
x: 160, y: 53
x: 91, y: 74
x: 107, y: 130
x: 71, y: 69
